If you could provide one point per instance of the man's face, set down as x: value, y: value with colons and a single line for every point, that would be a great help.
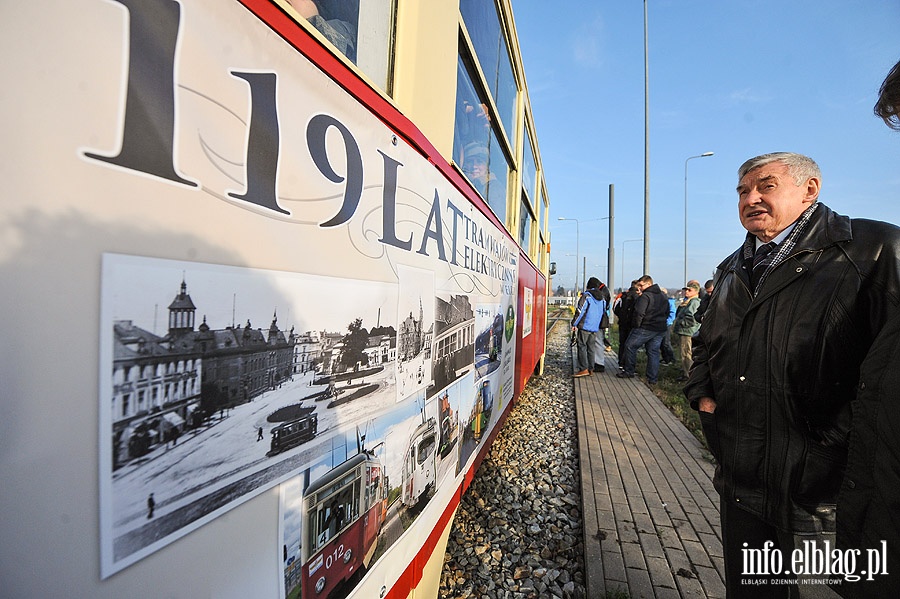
x: 769, y: 201
x: 690, y: 292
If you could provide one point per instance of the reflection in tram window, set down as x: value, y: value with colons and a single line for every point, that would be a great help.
x: 476, y: 146
x: 332, y: 20
x: 361, y: 31
x: 483, y: 24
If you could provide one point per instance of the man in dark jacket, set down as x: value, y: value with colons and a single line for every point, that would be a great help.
x: 651, y: 312
x: 798, y: 313
x: 624, y: 311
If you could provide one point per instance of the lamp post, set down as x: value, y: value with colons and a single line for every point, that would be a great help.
x: 622, y: 286
x: 703, y: 155
x: 646, y: 146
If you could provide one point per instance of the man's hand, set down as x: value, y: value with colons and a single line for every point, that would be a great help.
x: 706, y: 404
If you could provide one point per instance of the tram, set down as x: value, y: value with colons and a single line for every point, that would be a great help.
x: 342, y: 515
x: 322, y: 185
x: 419, y: 469
x: 293, y: 433
x: 481, y: 410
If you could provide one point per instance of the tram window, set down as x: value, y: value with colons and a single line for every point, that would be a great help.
x: 361, y: 31
x: 476, y: 147
x: 483, y: 24
x: 529, y: 169
x: 525, y: 225
x: 426, y: 447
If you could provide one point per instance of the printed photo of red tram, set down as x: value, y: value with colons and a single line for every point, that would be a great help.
x: 342, y: 515
x: 419, y: 469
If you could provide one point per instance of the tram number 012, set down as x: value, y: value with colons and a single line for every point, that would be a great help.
x: 338, y: 552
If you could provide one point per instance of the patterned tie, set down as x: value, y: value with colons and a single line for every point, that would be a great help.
x: 758, y: 267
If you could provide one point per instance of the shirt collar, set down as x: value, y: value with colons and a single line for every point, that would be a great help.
x: 778, y: 238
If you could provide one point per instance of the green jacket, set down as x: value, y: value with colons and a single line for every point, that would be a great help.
x: 685, y: 322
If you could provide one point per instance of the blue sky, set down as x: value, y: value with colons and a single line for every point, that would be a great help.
x: 738, y: 78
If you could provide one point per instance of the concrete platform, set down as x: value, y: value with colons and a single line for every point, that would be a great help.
x: 651, y: 514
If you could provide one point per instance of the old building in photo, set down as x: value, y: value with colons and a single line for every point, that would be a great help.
x: 163, y: 385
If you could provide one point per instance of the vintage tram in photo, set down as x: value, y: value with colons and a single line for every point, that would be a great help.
x: 342, y: 515
x: 419, y: 463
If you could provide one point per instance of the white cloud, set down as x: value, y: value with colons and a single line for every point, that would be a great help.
x: 587, y: 44
x: 749, y: 96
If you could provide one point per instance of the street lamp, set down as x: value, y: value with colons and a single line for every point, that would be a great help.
x: 622, y: 286
x: 646, y: 145
x: 703, y: 155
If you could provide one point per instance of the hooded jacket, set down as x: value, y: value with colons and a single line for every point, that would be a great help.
x: 591, y: 308
x: 784, y: 369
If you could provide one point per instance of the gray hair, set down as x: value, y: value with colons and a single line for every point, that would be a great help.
x: 801, y: 168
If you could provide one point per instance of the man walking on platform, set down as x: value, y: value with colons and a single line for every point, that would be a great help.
x: 650, y: 314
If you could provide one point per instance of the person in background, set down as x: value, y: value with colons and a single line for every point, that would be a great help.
x: 794, y: 336
x: 686, y: 325
x: 586, y: 323
x: 705, y: 297
x: 667, y: 354
x: 869, y: 500
x: 650, y: 313
x: 601, y: 343
x: 888, y: 105
x: 625, y: 313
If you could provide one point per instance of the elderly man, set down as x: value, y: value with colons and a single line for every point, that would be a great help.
x: 777, y: 364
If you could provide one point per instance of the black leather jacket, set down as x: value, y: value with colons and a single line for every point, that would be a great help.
x: 784, y: 366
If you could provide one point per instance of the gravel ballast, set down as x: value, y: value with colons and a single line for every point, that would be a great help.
x: 518, y: 530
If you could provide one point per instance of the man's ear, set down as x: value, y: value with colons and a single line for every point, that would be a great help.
x: 812, y: 189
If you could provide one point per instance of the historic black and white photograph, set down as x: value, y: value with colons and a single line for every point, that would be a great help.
x: 415, y: 330
x: 453, y: 352
x: 225, y: 381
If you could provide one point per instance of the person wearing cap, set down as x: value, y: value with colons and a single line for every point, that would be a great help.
x: 797, y: 346
x: 686, y: 325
